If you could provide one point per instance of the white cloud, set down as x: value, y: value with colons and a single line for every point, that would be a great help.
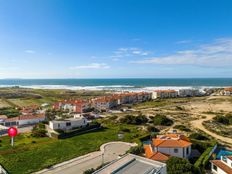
x: 92, y: 66
x: 216, y: 54
x: 29, y: 51
x: 183, y: 41
x: 129, y: 52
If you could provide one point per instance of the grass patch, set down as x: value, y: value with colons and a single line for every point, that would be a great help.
x: 47, y: 152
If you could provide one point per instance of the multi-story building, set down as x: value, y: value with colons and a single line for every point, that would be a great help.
x: 77, y: 106
x: 222, y: 166
x: 188, y: 92
x: 164, y: 94
x: 171, y: 144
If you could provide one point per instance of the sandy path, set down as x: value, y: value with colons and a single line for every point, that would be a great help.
x: 198, y: 125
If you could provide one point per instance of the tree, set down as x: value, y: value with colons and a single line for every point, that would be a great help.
x: 179, y: 166
x: 39, y: 130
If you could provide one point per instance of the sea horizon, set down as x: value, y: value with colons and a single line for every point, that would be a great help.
x: 128, y: 84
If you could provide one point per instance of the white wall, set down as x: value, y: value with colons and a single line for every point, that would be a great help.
x: 182, y: 152
x: 219, y: 171
x: 30, y: 121
x: 63, y: 124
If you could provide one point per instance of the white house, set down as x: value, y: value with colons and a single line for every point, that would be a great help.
x: 23, y: 120
x: 68, y: 123
x: 171, y: 144
x: 133, y: 164
x: 222, y: 166
x: 228, y: 91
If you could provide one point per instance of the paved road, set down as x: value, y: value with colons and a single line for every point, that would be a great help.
x: 108, y: 152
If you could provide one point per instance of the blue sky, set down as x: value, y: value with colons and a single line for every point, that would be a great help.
x: 115, y: 38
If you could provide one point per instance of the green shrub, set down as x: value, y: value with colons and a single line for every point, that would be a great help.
x: 137, y: 120
x: 182, y: 128
x: 203, y: 159
x: 152, y: 129
x: 9, y: 112
x: 39, y: 130
x: 162, y: 120
x: 137, y: 150
x: 222, y: 120
x: 198, y: 136
x: 179, y: 166
x: 89, y: 171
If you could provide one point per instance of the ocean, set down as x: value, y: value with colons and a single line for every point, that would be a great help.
x: 118, y: 84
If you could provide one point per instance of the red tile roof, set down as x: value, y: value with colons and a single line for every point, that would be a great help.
x: 158, y: 156
x: 171, y: 140
x: 148, y: 150
x: 228, y: 89
x: 222, y: 166
x: 30, y: 117
x: 25, y: 117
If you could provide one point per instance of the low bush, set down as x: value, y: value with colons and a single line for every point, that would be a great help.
x: 137, y: 120
x: 222, y: 120
x: 162, y: 120
x: 39, y: 130
x: 179, y: 165
x: 182, y: 128
x: 137, y: 150
x: 152, y: 129
x: 198, y: 136
x: 9, y: 112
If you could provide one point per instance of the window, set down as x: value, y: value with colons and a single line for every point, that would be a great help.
x: 175, y: 150
x: 68, y: 124
x: 224, y: 159
x: 214, y: 167
x: 187, y: 151
x: 58, y: 125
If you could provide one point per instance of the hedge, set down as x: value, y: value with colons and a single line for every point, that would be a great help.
x: 77, y: 132
x: 203, y: 159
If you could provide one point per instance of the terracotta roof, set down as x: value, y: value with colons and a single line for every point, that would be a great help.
x: 12, y: 119
x: 171, y: 140
x: 158, y: 156
x: 148, y: 150
x: 30, y: 117
x: 222, y: 166
x: 228, y: 89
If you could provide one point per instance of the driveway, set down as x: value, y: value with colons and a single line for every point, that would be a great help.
x: 108, y: 152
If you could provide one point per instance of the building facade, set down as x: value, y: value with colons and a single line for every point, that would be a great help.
x: 164, y: 146
x: 222, y: 166
x: 68, y: 124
